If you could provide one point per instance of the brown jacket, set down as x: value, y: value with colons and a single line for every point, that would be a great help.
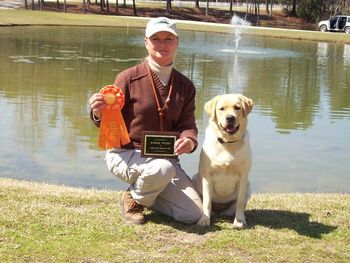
x: 140, y: 109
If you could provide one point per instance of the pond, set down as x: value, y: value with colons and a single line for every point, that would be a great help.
x: 299, y: 127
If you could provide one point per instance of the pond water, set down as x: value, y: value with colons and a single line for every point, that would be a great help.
x: 300, y: 125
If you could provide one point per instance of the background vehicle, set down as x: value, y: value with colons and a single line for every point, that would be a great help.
x: 336, y: 23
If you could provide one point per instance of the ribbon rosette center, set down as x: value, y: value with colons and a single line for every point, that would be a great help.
x: 113, y: 132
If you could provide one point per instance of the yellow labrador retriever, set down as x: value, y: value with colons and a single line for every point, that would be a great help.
x: 225, y: 159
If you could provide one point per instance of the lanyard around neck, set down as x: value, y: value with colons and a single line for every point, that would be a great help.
x: 167, y: 101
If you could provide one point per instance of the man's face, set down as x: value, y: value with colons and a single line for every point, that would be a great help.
x: 162, y: 47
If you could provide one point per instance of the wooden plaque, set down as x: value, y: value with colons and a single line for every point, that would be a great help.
x: 158, y: 144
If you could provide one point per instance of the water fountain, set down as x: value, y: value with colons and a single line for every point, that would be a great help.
x: 234, y: 43
x: 238, y: 25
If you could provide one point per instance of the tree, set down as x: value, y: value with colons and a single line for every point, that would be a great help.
x: 294, y: 8
x: 311, y: 10
x: 107, y: 4
x: 269, y: 7
x: 168, y: 6
x: 102, y: 5
x: 134, y: 7
x: 197, y: 4
x: 84, y: 6
x: 207, y: 8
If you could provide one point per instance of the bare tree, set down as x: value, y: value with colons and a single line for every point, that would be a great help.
x: 134, y: 7
x: 168, y: 5
x: 271, y: 6
x: 294, y: 8
x: 197, y: 4
x: 257, y: 12
x: 84, y: 7
x: 207, y: 8
x: 102, y: 5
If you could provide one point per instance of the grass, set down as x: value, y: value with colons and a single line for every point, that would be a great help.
x: 47, y: 223
x: 11, y: 17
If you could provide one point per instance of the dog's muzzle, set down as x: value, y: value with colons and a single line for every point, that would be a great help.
x: 230, y: 127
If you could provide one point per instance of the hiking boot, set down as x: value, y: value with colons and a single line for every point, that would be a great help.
x: 131, y: 210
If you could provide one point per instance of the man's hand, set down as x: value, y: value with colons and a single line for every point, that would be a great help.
x: 97, y: 104
x: 183, y: 145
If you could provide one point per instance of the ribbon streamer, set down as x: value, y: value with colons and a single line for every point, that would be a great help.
x: 113, y: 132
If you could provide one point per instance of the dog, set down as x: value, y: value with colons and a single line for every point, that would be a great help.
x: 225, y: 159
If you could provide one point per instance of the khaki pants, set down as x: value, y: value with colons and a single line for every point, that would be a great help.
x: 157, y: 183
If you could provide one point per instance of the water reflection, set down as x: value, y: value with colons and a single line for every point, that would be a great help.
x: 346, y: 55
x: 299, y: 126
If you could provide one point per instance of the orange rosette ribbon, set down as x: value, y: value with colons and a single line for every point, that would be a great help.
x: 113, y: 132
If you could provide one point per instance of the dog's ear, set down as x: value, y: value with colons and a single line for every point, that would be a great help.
x: 210, y: 106
x: 247, y: 104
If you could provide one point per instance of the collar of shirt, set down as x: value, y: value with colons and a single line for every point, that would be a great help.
x: 163, y: 72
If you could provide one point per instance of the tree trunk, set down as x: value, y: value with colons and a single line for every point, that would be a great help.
x: 207, y: 8
x: 65, y: 6
x: 116, y: 6
x: 134, y: 7
x: 107, y: 3
x: 84, y: 6
x: 294, y: 8
x: 26, y: 4
x: 271, y: 5
x: 258, y: 13
x: 197, y: 4
x: 101, y: 5
x: 168, y: 6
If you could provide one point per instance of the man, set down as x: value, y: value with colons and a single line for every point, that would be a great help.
x: 157, y: 97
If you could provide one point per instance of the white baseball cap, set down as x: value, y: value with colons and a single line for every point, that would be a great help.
x: 159, y: 24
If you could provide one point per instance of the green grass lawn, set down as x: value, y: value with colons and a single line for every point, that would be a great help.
x: 47, y: 223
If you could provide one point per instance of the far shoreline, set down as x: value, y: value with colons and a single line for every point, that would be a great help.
x: 21, y: 17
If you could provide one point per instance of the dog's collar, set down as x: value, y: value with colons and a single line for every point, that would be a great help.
x: 220, y: 140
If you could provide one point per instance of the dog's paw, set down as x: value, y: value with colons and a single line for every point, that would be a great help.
x: 204, y: 221
x: 239, y: 223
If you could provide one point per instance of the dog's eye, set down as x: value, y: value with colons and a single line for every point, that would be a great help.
x: 237, y: 107
x: 221, y: 108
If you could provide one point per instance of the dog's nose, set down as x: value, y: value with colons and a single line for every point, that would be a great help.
x: 230, y: 118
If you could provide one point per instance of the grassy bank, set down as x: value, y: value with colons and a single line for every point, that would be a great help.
x: 28, y: 17
x: 46, y: 223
